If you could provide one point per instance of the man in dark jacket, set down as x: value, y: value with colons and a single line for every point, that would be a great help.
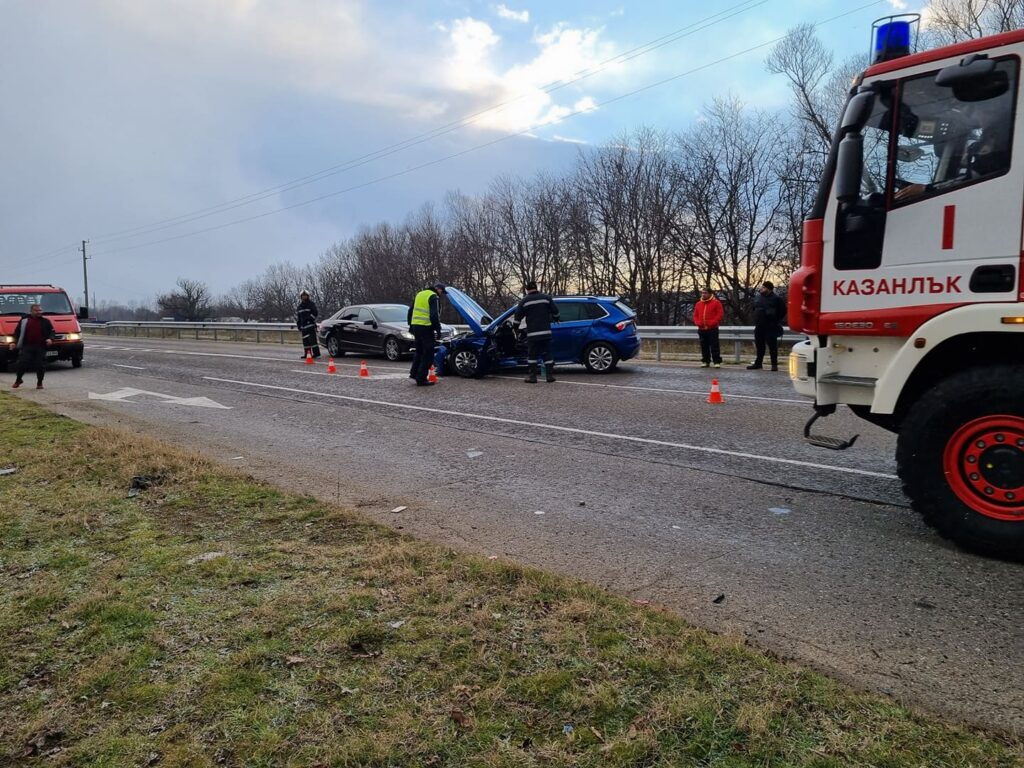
x: 540, y: 312
x: 33, y: 335
x: 769, y: 310
x: 305, y: 320
x: 425, y: 325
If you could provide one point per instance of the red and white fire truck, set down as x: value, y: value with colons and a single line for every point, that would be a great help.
x: 911, y: 285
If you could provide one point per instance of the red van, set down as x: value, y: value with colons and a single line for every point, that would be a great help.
x: 15, y: 302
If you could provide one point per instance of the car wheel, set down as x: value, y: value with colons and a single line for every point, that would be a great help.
x: 76, y: 361
x: 391, y: 349
x: 600, y: 357
x: 960, y: 455
x: 466, y: 363
x: 334, y: 347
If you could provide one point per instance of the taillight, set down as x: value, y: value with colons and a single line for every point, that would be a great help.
x: 623, y: 325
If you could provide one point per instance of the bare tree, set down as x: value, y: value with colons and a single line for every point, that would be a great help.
x: 190, y: 302
x: 953, y: 21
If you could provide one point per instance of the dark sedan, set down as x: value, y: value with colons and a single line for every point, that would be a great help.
x: 370, y: 329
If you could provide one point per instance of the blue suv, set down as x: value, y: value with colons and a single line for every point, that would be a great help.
x: 596, y: 331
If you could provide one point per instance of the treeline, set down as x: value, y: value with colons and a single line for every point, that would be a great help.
x: 651, y: 216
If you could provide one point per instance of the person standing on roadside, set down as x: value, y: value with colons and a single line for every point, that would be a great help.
x: 305, y: 320
x: 31, y: 338
x: 540, y: 312
x: 425, y: 325
x: 769, y: 309
x: 707, y: 316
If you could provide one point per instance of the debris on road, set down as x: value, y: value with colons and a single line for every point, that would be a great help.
x: 8, y: 471
x: 539, y: 512
x: 472, y: 453
x: 779, y: 510
x: 399, y: 509
x: 719, y: 600
x: 397, y: 624
x: 925, y: 604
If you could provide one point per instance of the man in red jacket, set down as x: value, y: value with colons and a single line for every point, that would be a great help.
x: 707, y: 316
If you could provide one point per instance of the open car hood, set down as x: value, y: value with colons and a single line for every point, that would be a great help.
x: 476, y: 317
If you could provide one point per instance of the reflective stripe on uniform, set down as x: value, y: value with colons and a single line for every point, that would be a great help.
x: 539, y: 333
x: 535, y: 301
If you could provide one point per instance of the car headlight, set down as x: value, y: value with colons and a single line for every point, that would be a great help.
x: 73, y: 337
x: 407, y: 335
x: 8, y: 339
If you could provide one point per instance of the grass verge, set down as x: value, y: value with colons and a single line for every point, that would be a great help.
x: 213, y: 620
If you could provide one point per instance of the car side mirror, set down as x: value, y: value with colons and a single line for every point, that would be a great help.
x: 370, y: 322
x: 849, y: 168
x: 83, y: 313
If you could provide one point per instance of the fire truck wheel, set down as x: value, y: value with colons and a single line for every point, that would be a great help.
x: 960, y: 455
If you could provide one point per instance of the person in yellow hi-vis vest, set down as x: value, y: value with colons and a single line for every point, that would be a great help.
x: 425, y: 326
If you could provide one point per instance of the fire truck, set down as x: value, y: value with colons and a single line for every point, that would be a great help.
x: 911, y: 284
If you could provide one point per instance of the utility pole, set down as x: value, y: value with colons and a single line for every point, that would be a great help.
x: 85, y: 273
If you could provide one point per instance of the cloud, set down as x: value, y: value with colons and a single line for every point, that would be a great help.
x: 561, y: 54
x: 505, y: 12
x: 898, y: 5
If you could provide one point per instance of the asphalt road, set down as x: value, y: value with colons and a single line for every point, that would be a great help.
x: 631, y: 481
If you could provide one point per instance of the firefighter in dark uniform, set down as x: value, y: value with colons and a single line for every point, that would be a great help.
x: 425, y: 325
x: 540, y: 312
x: 305, y: 320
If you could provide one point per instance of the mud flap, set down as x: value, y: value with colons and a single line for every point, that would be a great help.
x: 832, y: 443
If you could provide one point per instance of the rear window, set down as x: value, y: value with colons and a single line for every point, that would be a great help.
x: 570, y: 311
x: 626, y: 310
x: 21, y: 303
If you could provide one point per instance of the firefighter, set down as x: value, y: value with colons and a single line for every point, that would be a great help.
x: 425, y: 325
x: 540, y: 312
x: 305, y: 320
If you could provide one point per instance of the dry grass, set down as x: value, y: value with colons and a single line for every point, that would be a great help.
x: 319, y: 639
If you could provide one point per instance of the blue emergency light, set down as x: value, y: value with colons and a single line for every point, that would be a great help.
x: 894, y: 36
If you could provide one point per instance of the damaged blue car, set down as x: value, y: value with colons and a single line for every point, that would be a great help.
x: 595, y: 331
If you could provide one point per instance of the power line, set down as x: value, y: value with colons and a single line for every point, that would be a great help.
x: 484, y: 145
x: 434, y: 133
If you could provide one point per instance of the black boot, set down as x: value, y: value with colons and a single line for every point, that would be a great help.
x: 532, y: 377
x: 549, y: 369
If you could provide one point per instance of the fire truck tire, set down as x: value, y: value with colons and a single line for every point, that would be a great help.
x: 960, y: 455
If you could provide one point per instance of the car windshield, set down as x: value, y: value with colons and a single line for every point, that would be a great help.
x: 21, y: 303
x: 397, y: 313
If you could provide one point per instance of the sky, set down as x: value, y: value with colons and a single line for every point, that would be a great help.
x: 208, y: 139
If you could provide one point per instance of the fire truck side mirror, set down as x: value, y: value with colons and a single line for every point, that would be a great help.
x: 849, y: 168
x: 858, y: 110
x: 83, y: 313
x: 975, y: 78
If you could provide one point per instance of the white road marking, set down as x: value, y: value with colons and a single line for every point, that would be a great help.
x: 672, y: 391
x: 225, y: 354
x: 133, y: 367
x: 123, y: 394
x: 571, y: 430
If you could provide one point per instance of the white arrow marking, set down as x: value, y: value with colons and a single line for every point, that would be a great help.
x: 123, y: 394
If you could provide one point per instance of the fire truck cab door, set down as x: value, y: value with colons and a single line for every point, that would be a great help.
x: 951, y: 189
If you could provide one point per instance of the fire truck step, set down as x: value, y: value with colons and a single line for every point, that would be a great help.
x: 849, y: 381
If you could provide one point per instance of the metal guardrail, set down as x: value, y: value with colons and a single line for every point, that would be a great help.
x: 738, y: 335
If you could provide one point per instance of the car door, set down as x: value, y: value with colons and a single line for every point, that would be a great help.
x: 569, y: 334
x: 370, y: 335
x: 345, y: 329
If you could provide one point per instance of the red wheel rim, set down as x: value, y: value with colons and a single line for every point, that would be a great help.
x: 984, y: 465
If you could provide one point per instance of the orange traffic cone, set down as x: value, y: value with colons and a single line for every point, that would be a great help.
x: 715, y: 398
x: 309, y: 357
x: 432, y: 376
x: 331, y: 367
x: 364, y: 372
